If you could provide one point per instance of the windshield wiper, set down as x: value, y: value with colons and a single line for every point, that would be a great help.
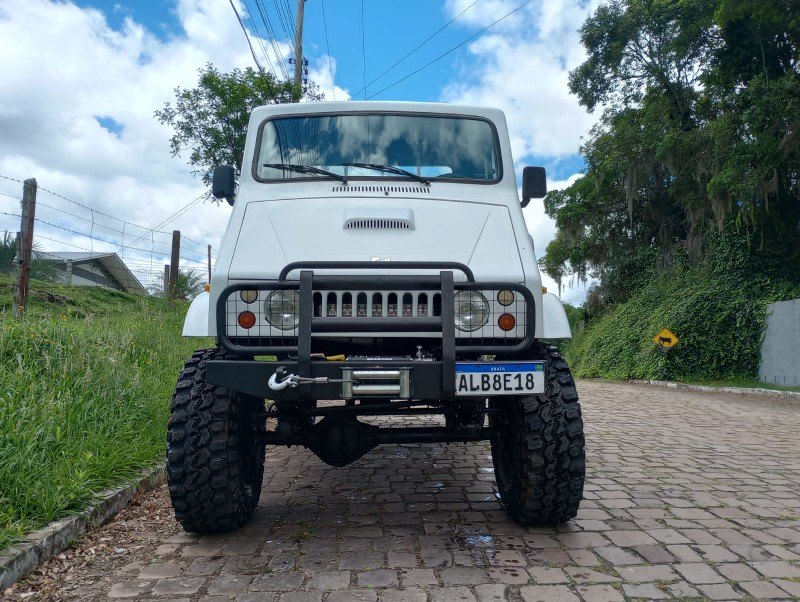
x: 307, y: 169
x: 390, y: 169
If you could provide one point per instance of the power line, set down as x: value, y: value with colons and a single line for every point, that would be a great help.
x: 261, y: 42
x: 441, y: 56
x: 247, y: 37
x: 262, y: 10
x: 363, y: 52
x: 328, y: 47
x: 428, y: 39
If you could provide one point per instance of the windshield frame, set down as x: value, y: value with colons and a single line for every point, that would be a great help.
x: 383, y: 177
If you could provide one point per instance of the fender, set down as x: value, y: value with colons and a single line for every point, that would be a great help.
x: 554, y: 319
x: 196, y: 322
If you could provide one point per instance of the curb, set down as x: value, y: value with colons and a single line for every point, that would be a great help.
x: 790, y: 397
x: 23, y: 557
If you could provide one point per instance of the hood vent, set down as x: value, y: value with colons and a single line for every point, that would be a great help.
x: 377, y: 224
x: 378, y: 218
x: 384, y: 189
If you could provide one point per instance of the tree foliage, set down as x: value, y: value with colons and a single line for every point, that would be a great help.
x: 210, y: 121
x: 699, y: 134
x: 42, y: 267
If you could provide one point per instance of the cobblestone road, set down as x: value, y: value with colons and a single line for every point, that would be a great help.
x: 688, y: 496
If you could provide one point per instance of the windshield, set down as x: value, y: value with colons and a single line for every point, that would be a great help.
x: 429, y: 146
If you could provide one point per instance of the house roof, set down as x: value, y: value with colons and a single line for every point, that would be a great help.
x: 110, y: 261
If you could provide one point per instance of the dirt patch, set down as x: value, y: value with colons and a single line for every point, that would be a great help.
x: 90, y: 565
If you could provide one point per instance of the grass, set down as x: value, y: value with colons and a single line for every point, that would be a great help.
x: 85, y: 385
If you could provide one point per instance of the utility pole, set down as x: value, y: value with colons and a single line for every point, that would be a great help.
x: 25, y: 246
x: 298, y: 52
x: 173, y: 266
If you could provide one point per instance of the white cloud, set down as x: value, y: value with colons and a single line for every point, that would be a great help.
x: 64, y: 67
x: 322, y: 72
x: 522, y: 66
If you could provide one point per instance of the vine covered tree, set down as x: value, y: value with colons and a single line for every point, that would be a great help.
x: 699, y: 134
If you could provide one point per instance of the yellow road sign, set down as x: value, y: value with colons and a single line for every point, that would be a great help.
x: 666, y: 339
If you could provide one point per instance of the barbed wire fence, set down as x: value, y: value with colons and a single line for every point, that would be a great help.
x: 71, y: 231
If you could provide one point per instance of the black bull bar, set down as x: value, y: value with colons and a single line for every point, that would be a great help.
x: 431, y: 379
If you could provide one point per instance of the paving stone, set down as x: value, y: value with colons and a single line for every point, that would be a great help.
x: 719, y: 591
x: 491, y: 593
x: 715, y: 553
x: 329, y: 580
x: 463, y: 576
x: 507, y: 558
x: 684, y: 553
x: 401, y: 559
x: 790, y: 587
x: 641, y: 574
x: 227, y: 584
x: 547, y: 576
x: 159, y: 571
x: 547, y: 593
x: 644, y: 590
x: 379, y: 578
x: 128, y: 589
x: 630, y: 538
x: 616, y: 555
x: 779, y: 569
x: 584, y: 575
x: 737, y: 571
x: 301, y: 597
x: 403, y: 595
x: 696, y: 572
x: 763, y: 590
x: 599, y: 593
x: 509, y: 575
x: 681, y: 589
x: 205, y: 566
x: 411, y: 577
x: 353, y: 595
x: 178, y: 586
x: 277, y: 581
x: 654, y: 554
x: 451, y: 594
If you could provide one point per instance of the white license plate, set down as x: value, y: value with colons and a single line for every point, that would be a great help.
x: 499, y: 378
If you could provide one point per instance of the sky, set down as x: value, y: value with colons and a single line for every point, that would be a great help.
x: 82, y: 79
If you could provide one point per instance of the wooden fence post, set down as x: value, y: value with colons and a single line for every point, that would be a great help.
x: 25, y: 247
x: 173, y: 266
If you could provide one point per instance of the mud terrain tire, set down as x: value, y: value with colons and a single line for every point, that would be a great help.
x: 538, y: 447
x: 215, y: 454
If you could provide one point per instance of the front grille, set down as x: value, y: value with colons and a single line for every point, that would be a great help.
x: 366, y: 304
x: 377, y: 304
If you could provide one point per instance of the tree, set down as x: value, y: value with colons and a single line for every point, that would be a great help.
x: 701, y: 103
x: 189, y: 284
x: 210, y: 121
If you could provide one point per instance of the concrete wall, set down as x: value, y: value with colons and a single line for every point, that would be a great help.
x: 780, y: 351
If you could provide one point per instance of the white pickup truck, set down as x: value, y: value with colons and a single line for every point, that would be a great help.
x: 376, y: 258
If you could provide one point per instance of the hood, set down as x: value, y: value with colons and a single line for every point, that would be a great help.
x: 275, y: 233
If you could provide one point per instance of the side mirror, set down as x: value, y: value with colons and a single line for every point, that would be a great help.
x: 223, y: 184
x: 534, y: 184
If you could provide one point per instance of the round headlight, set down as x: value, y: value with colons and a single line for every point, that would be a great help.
x: 248, y: 296
x: 471, y: 310
x: 282, y: 309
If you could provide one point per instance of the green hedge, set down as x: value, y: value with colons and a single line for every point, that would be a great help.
x: 718, y: 316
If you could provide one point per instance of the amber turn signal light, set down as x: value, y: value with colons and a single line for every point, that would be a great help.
x: 506, y: 322
x: 247, y: 319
